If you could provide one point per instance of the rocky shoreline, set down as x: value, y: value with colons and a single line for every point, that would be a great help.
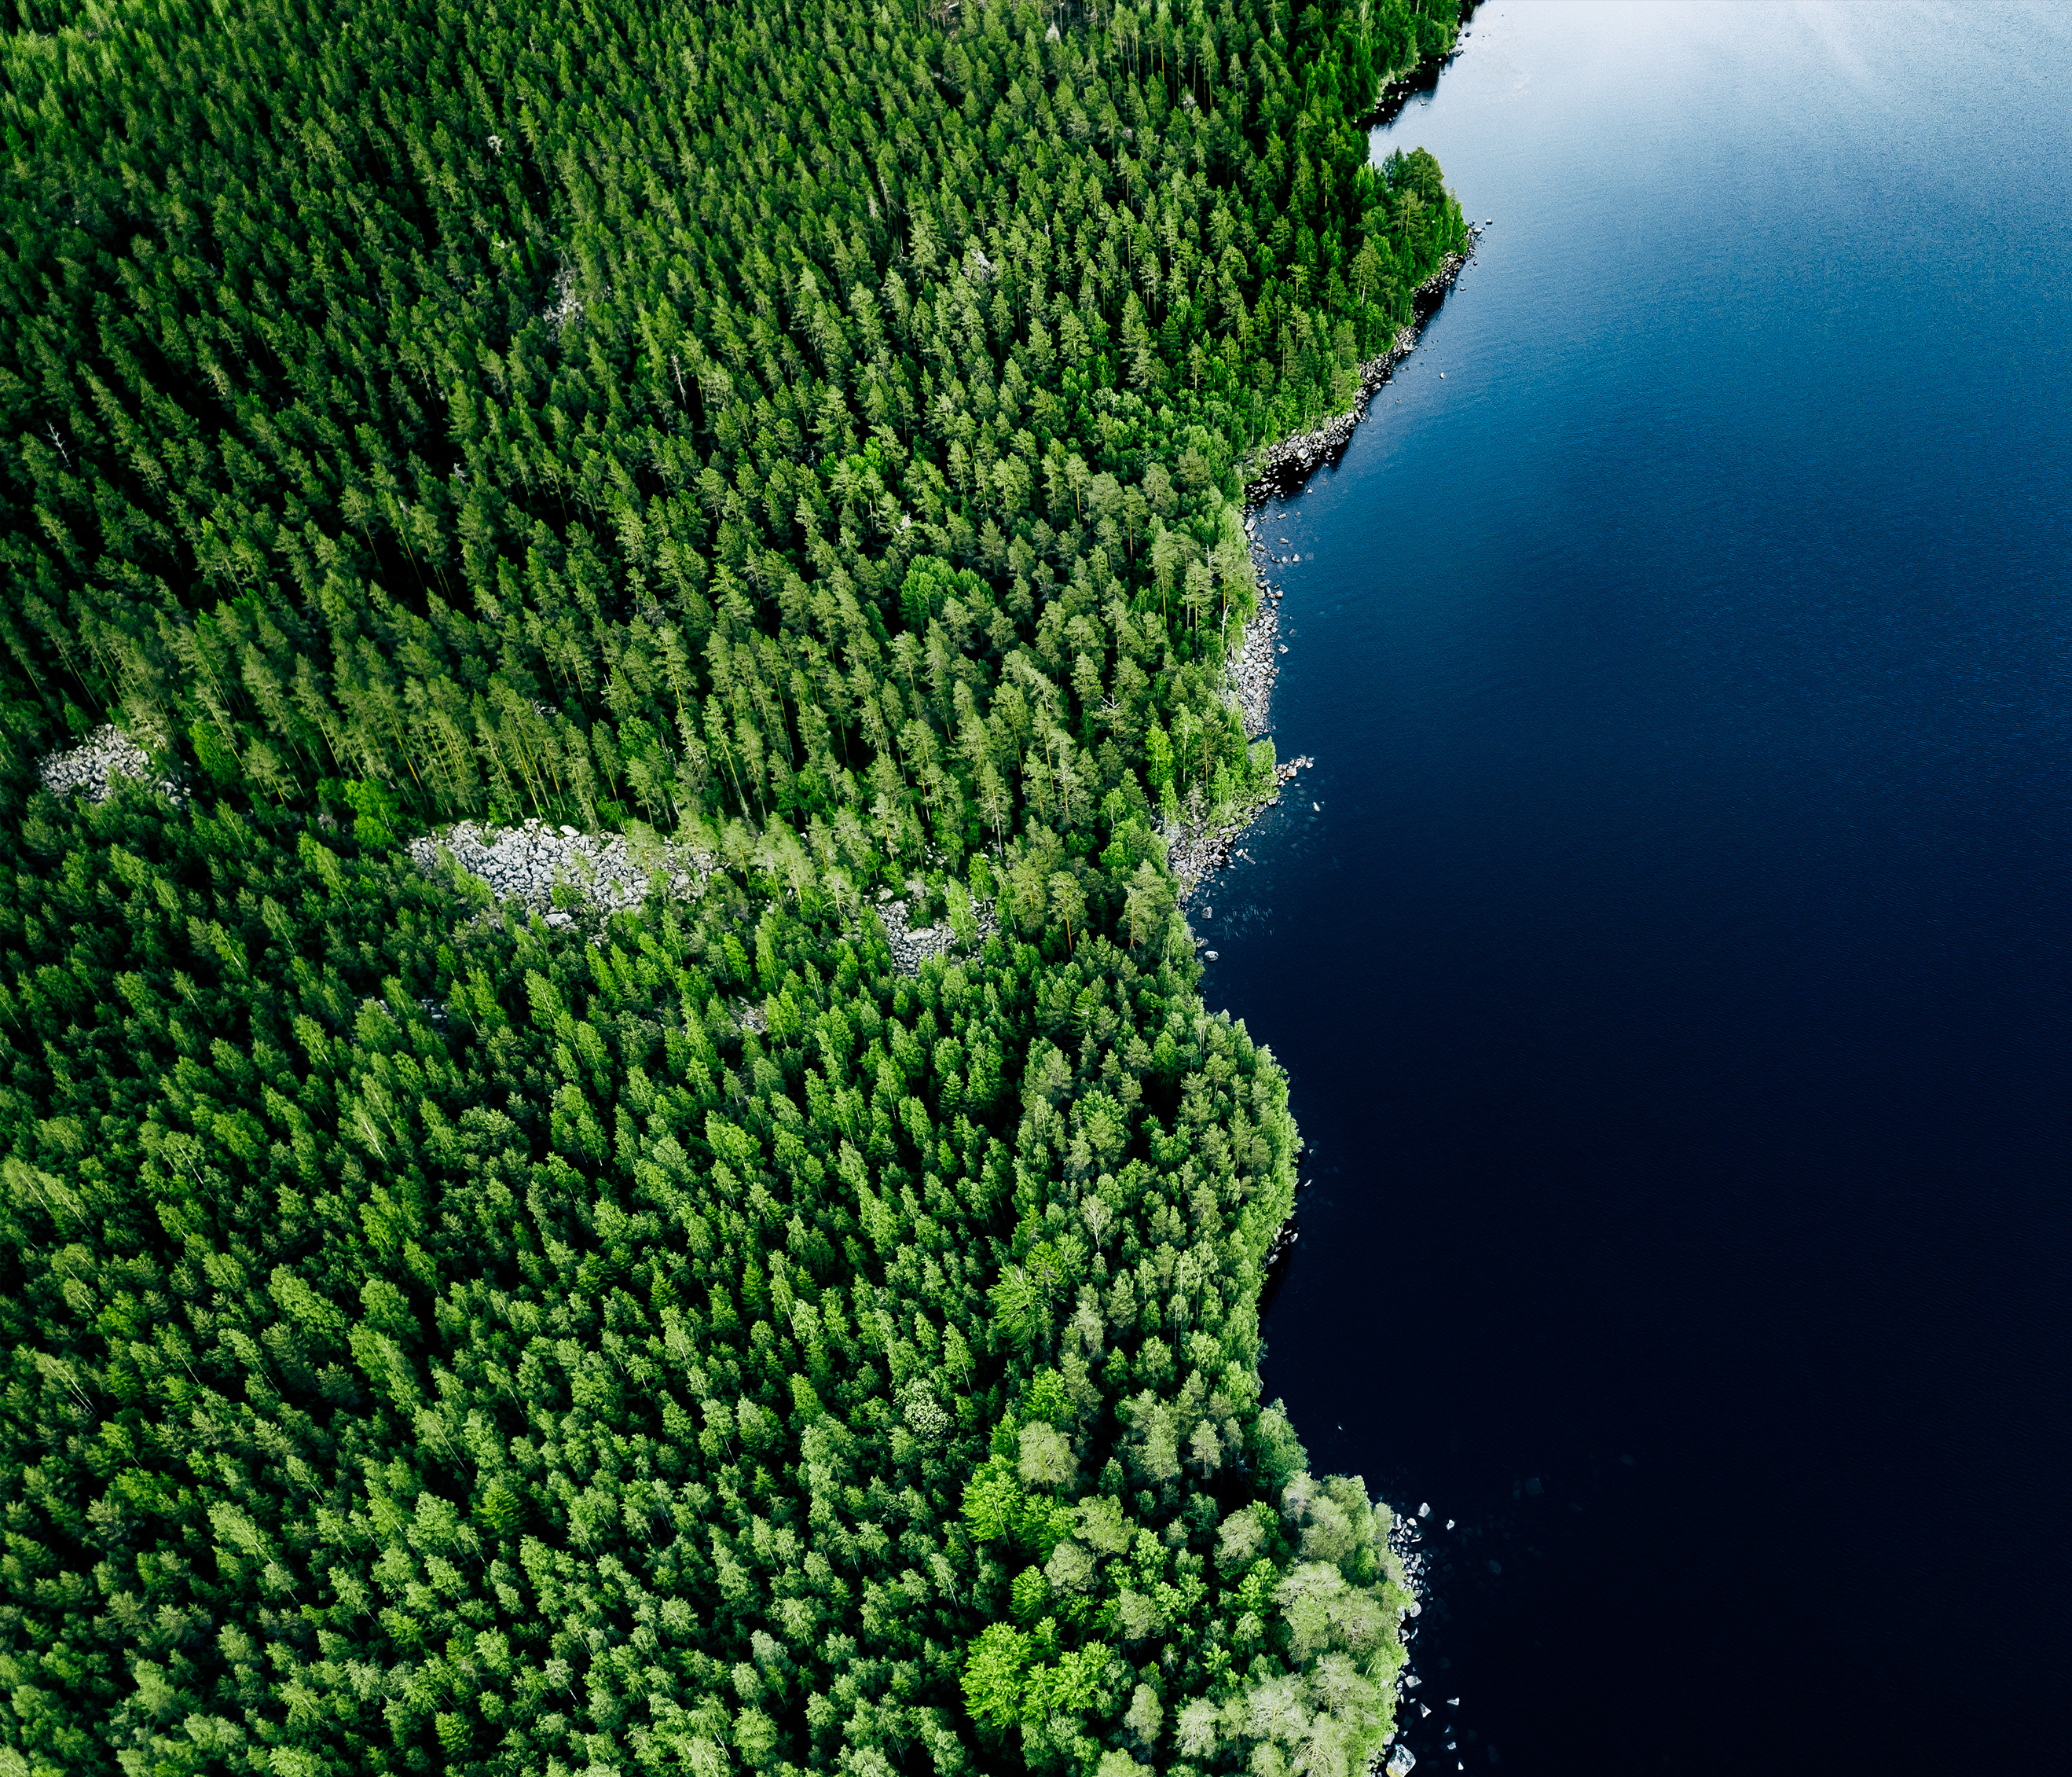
x: 1195, y: 854
x: 1255, y: 665
x: 1287, y: 465
x: 1197, y: 851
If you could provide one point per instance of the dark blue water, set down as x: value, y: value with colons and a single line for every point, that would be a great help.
x: 1675, y: 978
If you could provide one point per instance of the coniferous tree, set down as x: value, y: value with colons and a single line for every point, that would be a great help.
x: 437, y: 1339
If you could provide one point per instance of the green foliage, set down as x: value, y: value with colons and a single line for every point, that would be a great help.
x: 434, y: 1341
x: 451, y: 1343
x: 210, y: 750
x: 995, y: 1674
x: 402, y: 395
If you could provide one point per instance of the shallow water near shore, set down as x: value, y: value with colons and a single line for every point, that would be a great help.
x: 1669, y: 945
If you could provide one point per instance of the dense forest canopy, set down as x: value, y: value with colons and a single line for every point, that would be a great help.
x: 682, y: 1340
x: 567, y: 408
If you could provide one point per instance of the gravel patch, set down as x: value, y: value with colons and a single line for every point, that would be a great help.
x: 526, y: 864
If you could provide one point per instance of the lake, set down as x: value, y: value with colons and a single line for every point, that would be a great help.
x: 1669, y: 945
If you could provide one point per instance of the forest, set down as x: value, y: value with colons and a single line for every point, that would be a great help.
x: 678, y: 1338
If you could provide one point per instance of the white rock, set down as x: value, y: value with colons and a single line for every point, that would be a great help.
x: 86, y: 767
x: 526, y: 863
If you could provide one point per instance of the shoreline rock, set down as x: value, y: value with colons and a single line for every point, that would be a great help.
x: 1288, y: 464
x: 1194, y: 852
x: 1253, y: 668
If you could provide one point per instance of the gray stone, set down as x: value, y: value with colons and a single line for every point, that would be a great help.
x: 526, y: 863
x: 913, y: 946
x: 108, y: 752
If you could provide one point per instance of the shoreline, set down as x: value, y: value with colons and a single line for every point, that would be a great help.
x: 1252, y: 670
x: 1194, y: 852
x: 1285, y: 465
